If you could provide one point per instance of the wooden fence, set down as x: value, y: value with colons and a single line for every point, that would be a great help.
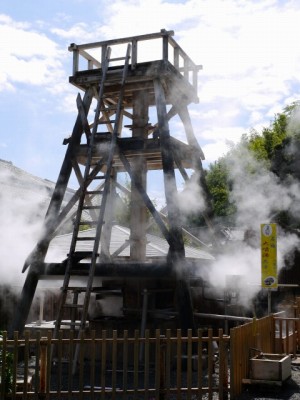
x: 273, y: 334
x: 245, y: 341
x: 158, y: 366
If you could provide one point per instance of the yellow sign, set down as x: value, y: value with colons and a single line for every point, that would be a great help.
x: 269, y: 276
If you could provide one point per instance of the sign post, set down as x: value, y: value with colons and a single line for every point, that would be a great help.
x: 269, y: 275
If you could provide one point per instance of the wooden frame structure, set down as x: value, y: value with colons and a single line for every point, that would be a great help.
x: 167, y: 85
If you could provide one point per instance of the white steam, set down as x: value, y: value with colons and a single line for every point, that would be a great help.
x: 190, y: 199
x: 22, y: 208
x: 257, y: 192
x: 259, y: 196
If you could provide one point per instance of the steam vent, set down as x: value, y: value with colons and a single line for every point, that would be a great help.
x: 126, y: 104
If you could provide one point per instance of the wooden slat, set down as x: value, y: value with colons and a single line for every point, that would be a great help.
x: 168, y: 362
x: 221, y: 364
x: 200, y: 364
x: 114, y: 364
x: 157, y: 364
x: 146, y: 363
x: 15, y: 363
x: 103, y: 364
x: 80, y: 347
x: 210, y: 363
x: 179, y: 363
x: 59, y: 361
x: 189, y: 363
x: 125, y: 363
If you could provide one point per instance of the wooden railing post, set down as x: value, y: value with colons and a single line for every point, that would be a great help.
x: 43, y: 364
x: 162, y: 363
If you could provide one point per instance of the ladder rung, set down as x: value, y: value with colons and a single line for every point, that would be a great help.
x: 87, y: 238
x: 80, y: 255
x: 117, y: 59
x: 88, y: 222
x: 94, y: 192
x: 109, y: 108
x: 75, y: 289
x: 99, y: 177
x: 109, y: 121
x: 91, y: 207
x: 71, y: 305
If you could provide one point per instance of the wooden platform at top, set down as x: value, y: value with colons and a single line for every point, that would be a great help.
x: 140, y: 78
x: 132, y: 148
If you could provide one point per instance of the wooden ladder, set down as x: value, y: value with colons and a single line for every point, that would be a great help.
x: 91, y: 174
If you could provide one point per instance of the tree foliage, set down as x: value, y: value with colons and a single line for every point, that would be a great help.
x: 276, y: 147
x: 218, y: 183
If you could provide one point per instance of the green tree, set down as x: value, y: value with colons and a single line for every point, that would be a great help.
x: 276, y: 147
x: 219, y: 185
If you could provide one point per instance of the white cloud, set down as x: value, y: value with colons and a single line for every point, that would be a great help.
x: 215, y: 150
x: 27, y: 56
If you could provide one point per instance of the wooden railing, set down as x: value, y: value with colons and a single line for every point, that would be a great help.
x: 273, y: 334
x: 119, y: 366
x: 170, y: 51
x: 244, y: 339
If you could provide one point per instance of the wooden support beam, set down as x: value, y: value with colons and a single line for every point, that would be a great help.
x: 138, y: 210
x: 176, y: 252
x: 177, y: 246
x: 39, y: 252
x: 37, y: 256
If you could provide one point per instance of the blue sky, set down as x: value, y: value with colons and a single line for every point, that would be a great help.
x: 249, y: 51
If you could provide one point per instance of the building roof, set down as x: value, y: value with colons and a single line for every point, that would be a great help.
x: 17, y: 182
x: 156, y: 246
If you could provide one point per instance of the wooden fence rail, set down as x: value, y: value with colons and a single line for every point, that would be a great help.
x: 158, y: 366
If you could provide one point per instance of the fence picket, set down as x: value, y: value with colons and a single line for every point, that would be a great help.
x: 103, y: 364
x: 179, y: 363
x: 200, y: 364
x: 125, y: 362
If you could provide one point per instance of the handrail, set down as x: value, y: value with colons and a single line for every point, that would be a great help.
x: 179, y: 59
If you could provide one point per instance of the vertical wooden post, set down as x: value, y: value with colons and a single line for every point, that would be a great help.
x: 169, y: 173
x: 43, y: 364
x: 176, y: 57
x: 107, y: 228
x: 165, y: 47
x: 138, y: 211
x: 75, y: 61
x: 162, y: 363
x: 134, y: 51
x: 176, y: 251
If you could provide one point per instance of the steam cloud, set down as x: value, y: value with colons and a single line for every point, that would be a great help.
x: 22, y: 207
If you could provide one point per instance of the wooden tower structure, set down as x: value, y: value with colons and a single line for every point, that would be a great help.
x: 119, y: 83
